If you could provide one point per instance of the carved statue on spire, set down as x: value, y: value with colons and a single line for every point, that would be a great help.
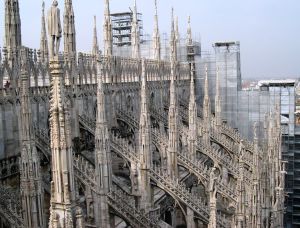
x: 212, y: 182
x: 54, y: 28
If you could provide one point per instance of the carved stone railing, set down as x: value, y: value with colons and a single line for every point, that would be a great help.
x: 120, y: 200
x: 211, y: 152
x: 122, y: 147
x: 42, y: 140
x: 222, y: 140
x: 201, y: 171
x: 85, y: 172
x: 88, y: 123
x: 181, y: 193
x: 123, y: 69
x: 10, y: 208
x: 214, y: 154
x: 196, y: 167
x: 223, y: 128
x: 218, y: 156
x: 125, y: 206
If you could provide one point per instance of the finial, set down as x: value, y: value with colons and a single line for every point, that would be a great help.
x: 43, y: 6
x: 172, y: 15
x: 255, y: 129
x: 218, y: 83
x: 135, y: 34
x: 156, y: 36
x: 206, y: 81
x: 189, y: 32
x: 192, y: 71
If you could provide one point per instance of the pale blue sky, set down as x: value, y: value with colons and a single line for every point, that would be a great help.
x: 268, y: 30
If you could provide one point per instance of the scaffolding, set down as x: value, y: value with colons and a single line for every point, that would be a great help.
x: 121, y: 27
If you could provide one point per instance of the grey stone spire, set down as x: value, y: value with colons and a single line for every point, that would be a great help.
x: 192, y: 116
x: 189, y: 39
x: 173, y: 40
x: 256, y: 198
x: 190, y: 45
x: 107, y: 31
x: 145, y: 153
x: 156, y: 36
x: 69, y: 31
x: 44, y: 52
x: 12, y: 25
x: 102, y: 154
x: 206, y: 110
x: 31, y: 185
x: 135, y: 34
x: 62, y: 185
x: 95, y: 50
x: 218, y: 105
x: 177, y: 30
x: 206, y: 102
x: 177, y: 36
x: 173, y: 127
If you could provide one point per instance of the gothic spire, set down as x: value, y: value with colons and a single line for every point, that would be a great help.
x: 69, y: 31
x: 189, y: 33
x: 206, y: 111
x: 95, y: 50
x: 107, y: 30
x: 44, y: 41
x: 62, y: 185
x: 156, y: 36
x: 192, y: 116
x: 145, y: 145
x: 12, y: 25
x: 173, y: 40
x: 206, y: 101
x: 177, y: 35
x: 173, y: 127
x: 135, y: 34
x: 30, y: 178
x: 144, y: 123
x: 102, y: 153
x: 218, y: 105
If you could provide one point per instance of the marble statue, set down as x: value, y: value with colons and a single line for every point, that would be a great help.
x: 54, y: 28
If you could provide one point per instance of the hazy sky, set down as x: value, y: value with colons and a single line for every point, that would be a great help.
x: 268, y: 30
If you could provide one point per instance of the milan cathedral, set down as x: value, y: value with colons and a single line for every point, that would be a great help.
x: 98, y: 140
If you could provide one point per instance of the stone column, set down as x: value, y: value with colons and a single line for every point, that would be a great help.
x: 190, y: 223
